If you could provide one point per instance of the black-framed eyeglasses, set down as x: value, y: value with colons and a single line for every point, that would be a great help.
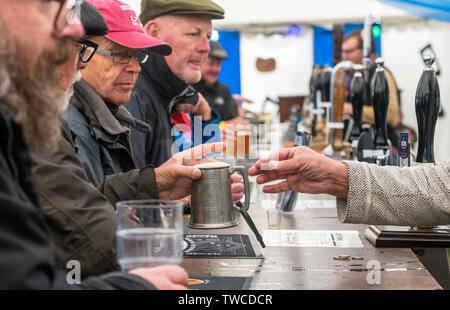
x: 125, y: 57
x: 67, y: 14
x: 87, y: 49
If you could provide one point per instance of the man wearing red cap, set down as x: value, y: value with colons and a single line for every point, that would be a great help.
x: 81, y: 217
x: 95, y: 113
x: 164, y: 96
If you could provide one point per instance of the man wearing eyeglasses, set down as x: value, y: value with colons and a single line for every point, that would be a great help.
x: 352, y: 50
x: 29, y: 119
x: 82, y: 50
x: 81, y: 217
x: 95, y: 113
x: 66, y: 214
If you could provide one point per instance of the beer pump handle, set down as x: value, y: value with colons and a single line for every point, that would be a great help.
x: 317, y: 88
x: 325, y: 85
x: 380, y: 100
x: 427, y: 110
x: 357, y: 99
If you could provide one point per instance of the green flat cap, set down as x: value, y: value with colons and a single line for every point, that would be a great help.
x: 150, y: 9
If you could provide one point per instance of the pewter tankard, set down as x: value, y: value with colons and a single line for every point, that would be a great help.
x: 211, y: 200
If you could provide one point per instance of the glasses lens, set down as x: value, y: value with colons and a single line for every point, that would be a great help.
x: 86, y: 53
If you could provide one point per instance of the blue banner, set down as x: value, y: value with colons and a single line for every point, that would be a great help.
x: 231, y: 67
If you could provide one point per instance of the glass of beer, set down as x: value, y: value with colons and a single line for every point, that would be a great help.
x: 242, y: 143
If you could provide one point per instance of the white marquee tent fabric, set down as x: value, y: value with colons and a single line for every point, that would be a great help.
x: 241, y: 13
x: 403, y: 36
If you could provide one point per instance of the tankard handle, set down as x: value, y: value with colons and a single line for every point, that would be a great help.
x: 242, y: 171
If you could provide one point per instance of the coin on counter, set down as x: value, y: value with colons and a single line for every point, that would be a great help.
x: 357, y: 258
x: 342, y: 257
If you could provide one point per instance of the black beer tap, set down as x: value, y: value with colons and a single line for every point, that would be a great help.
x: 427, y: 110
x: 312, y: 83
x: 357, y: 99
x: 325, y: 79
x: 380, y: 101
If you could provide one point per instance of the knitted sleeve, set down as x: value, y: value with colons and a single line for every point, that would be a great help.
x: 416, y: 196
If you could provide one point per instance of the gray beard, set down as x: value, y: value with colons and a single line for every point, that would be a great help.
x: 65, y: 101
x: 69, y: 93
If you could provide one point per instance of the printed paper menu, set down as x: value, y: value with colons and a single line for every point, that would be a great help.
x: 313, y: 238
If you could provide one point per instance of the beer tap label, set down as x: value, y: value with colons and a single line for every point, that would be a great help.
x: 404, y: 151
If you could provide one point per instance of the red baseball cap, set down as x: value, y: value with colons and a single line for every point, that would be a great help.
x: 125, y: 27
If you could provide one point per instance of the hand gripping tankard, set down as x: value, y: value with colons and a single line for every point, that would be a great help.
x: 427, y: 110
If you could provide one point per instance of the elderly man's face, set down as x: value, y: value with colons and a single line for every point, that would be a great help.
x: 189, y: 37
x: 211, y: 70
x: 31, y: 23
x: 112, y: 81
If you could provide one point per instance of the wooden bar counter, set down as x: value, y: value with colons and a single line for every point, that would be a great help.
x: 300, y: 268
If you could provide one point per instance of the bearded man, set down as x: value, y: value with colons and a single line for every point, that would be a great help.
x: 30, y: 103
x: 81, y: 217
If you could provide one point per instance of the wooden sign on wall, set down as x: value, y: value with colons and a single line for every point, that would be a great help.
x: 266, y: 65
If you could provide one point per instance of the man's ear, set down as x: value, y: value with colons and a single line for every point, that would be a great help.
x: 152, y: 28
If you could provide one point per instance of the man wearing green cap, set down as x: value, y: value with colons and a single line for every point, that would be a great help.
x: 163, y: 95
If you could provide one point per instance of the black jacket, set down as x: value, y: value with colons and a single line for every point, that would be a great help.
x: 219, y: 97
x: 26, y: 258
x: 154, y: 97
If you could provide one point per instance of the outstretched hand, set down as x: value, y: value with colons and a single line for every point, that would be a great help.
x: 303, y: 170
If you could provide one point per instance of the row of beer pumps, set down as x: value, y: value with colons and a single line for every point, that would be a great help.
x: 370, y: 143
x: 361, y: 141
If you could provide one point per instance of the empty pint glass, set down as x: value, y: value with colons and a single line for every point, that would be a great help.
x: 149, y: 233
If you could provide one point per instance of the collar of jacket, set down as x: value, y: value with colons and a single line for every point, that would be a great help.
x: 115, y: 120
x: 167, y: 85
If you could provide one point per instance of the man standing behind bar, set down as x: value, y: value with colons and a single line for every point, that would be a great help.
x: 352, y: 50
x: 163, y: 93
x: 217, y: 93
